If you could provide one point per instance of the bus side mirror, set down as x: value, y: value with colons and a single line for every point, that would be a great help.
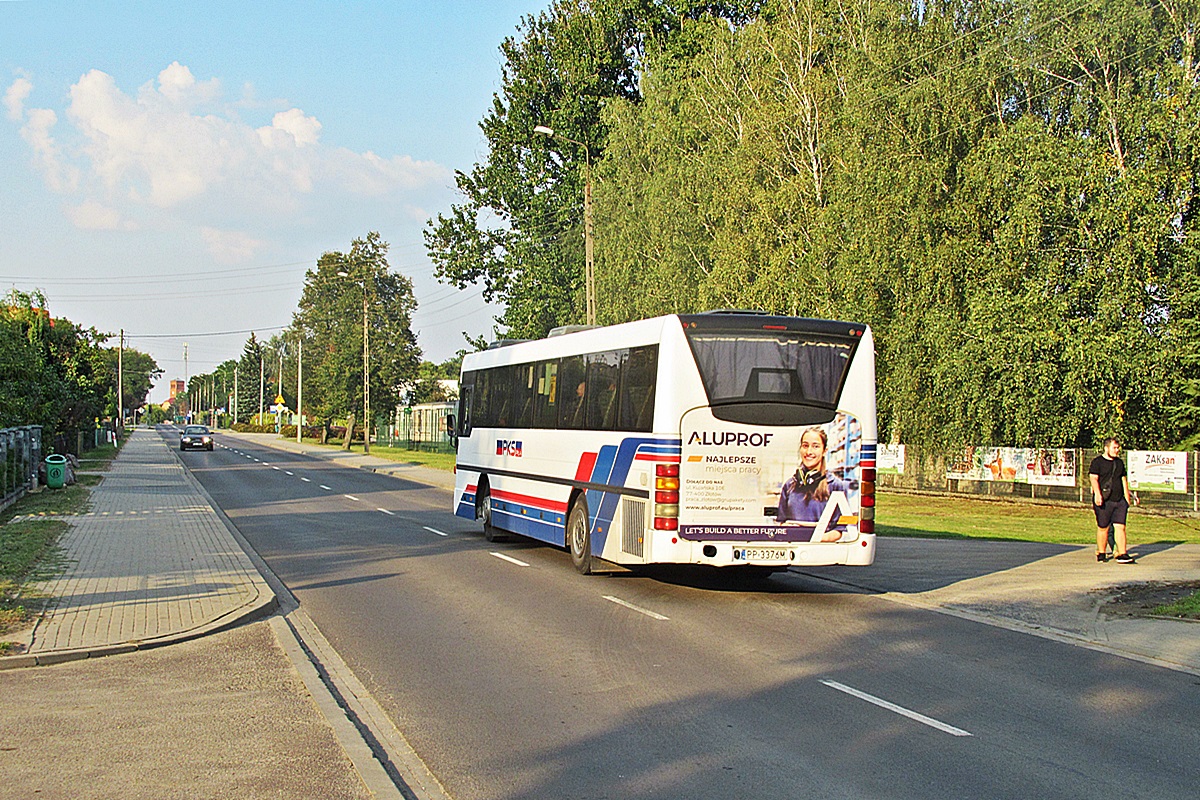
x: 451, y: 426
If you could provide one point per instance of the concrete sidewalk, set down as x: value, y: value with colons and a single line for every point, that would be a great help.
x: 150, y: 564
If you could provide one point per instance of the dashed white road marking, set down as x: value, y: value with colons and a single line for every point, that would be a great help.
x: 326, y: 488
x: 510, y: 559
x: 288, y: 472
x: 389, y: 513
x: 306, y: 480
x: 434, y: 530
x: 632, y: 607
x: 902, y: 711
x: 352, y: 497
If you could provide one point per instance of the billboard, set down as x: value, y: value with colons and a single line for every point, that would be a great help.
x: 1157, y: 470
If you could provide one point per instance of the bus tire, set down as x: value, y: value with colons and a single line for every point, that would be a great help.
x: 490, y: 532
x: 579, y: 537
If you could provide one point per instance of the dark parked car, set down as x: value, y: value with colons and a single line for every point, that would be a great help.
x: 195, y: 437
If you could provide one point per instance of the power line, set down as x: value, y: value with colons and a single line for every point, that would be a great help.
x: 200, y: 335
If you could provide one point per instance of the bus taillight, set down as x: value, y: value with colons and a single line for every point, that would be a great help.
x: 866, y: 522
x: 666, y: 497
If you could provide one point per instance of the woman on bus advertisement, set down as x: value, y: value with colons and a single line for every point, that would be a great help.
x: 803, y: 496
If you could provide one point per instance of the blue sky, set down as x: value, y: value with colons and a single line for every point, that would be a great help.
x: 173, y: 168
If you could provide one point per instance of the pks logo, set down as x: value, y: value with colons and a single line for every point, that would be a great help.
x: 508, y: 447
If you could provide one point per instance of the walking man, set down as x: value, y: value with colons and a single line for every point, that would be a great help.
x: 1111, y: 500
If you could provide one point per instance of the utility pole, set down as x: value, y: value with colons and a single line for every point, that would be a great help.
x: 262, y: 384
x: 589, y: 274
x: 299, y: 390
x: 121, y: 381
x: 366, y: 376
x: 235, y: 392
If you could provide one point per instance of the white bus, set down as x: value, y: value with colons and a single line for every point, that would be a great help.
x: 719, y: 438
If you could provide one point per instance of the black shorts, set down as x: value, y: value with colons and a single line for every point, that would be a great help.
x: 1114, y: 512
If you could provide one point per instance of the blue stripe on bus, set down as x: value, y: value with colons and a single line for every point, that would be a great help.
x: 466, y: 506
x: 612, y: 467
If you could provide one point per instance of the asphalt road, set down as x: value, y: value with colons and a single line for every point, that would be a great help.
x: 514, y: 677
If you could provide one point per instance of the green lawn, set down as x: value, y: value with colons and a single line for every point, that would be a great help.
x: 902, y: 514
x: 29, y: 549
x: 443, y: 461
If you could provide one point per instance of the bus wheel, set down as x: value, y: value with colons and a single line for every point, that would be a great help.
x: 490, y: 531
x: 579, y: 537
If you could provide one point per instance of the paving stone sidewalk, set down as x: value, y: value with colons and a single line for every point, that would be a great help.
x: 150, y: 564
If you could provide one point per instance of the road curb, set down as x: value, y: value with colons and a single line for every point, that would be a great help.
x: 260, y: 608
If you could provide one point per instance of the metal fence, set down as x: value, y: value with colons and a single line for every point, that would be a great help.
x: 933, y: 473
x: 20, y: 456
x: 418, y: 427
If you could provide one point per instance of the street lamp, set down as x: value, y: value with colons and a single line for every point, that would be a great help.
x: 366, y: 368
x: 589, y: 269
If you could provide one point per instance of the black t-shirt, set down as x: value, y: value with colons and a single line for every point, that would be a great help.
x: 1110, y: 471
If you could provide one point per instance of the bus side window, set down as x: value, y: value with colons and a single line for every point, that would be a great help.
x: 504, y: 380
x: 482, y: 410
x: 545, y: 413
x: 639, y: 375
x: 523, y: 392
x: 572, y: 381
x: 603, y: 375
x: 464, y: 410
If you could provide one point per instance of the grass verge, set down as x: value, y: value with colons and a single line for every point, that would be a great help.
x: 29, y: 533
x: 900, y: 514
x: 1184, y: 608
x: 442, y: 461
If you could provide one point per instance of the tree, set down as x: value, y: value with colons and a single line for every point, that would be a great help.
x: 330, y: 322
x: 52, y: 371
x: 519, y: 231
x: 138, y: 371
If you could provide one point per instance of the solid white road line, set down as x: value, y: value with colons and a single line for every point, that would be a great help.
x: 632, y: 607
x: 434, y: 530
x: 389, y: 513
x: 924, y: 720
x: 510, y: 559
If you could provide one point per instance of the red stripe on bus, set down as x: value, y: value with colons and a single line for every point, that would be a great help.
x: 529, y: 500
x: 587, y: 462
x: 656, y: 457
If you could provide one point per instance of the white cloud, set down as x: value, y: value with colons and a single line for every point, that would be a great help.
x: 91, y: 215
x: 176, y: 148
x: 304, y: 130
x: 231, y: 247
x: 37, y: 133
x: 15, y: 97
x: 177, y: 85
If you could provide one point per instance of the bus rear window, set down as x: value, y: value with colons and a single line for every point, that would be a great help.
x: 787, y: 367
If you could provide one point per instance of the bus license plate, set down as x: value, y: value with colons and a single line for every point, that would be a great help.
x: 765, y: 554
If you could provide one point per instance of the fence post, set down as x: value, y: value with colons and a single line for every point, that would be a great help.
x: 1079, y: 472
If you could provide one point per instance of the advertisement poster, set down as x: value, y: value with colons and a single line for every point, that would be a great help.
x: 770, y: 484
x: 891, y: 459
x: 991, y: 464
x: 1157, y: 471
x: 1052, y: 467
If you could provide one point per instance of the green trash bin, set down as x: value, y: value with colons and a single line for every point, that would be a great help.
x: 56, y: 471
